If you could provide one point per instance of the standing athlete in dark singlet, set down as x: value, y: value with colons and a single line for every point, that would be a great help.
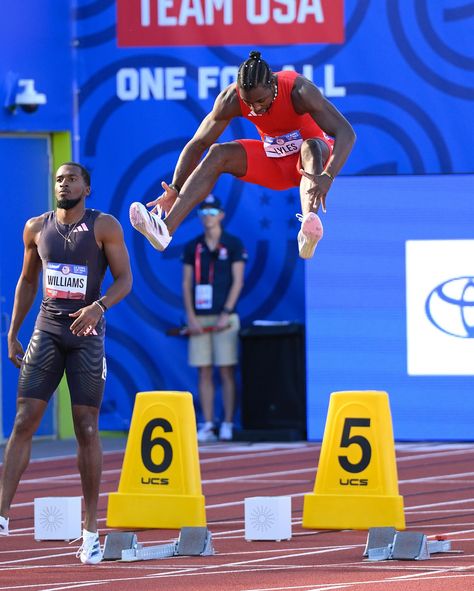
x: 72, y: 247
x: 305, y: 141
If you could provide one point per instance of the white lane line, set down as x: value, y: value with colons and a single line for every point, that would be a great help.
x: 263, y: 450
x: 68, y: 457
x: 440, y: 504
x: 350, y: 584
x: 266, y: 454
x: 220, y: 570
x: 438, y: 477
x: 58, y: 588
x: 236, y: 457
x: 256, y: 477
x: 35, y: 558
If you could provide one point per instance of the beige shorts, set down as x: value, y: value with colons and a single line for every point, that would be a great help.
x: 215, y: 348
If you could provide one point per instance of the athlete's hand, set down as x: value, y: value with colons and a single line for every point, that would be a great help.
x: 86, y: 319
x: 166, y: 201
x: 321, y: 184
x: 15, y: 351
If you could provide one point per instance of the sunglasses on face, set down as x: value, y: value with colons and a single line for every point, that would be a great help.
x: 208, y: 211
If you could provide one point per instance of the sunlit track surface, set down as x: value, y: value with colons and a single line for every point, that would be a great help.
x: 436, y: 481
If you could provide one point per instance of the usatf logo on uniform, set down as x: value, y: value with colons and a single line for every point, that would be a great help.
x: 143, y: 23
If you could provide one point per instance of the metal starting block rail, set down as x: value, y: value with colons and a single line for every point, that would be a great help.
x: 385, y: 543
x: 149, y: 553
x: 192, y: 541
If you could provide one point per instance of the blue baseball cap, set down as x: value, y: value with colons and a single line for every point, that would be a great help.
x: 211, y: 202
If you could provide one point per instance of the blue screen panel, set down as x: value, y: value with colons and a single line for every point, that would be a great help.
x: 390, y: 302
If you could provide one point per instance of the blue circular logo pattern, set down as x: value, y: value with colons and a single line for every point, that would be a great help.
x: 450, y: 307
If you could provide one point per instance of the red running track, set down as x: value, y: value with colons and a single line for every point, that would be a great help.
x: 435, y: 480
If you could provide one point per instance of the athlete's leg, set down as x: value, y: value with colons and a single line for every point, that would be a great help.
x: 40, y: 374
x: 314, y: 152
x: 245, y: 159
x: 86, y: 373
x: 89, y: 459
x: 18, y: 450
x: 228, y: 157
x: 89, y: 462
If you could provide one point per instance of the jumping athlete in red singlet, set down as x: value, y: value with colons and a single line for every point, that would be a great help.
x: 305, y: 142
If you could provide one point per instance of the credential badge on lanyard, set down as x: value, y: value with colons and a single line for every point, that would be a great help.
x: 203, y: 292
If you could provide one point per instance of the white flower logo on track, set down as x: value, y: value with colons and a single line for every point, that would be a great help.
x: 262, y: 518
x: 51, y: 518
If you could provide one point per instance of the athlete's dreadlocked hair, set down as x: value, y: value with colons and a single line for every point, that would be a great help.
x: 253, y: 72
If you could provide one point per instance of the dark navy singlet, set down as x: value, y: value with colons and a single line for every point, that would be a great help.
x: 73, y: 270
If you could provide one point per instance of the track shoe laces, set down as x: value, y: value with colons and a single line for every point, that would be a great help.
x: 150, y: 225
x: 90, y: 552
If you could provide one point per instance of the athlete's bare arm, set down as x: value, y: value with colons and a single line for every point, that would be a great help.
x: 109, y: 236
x: 26, y: 287
x: 109, y: 233
x: 226, y: 107
x: 307, y: 98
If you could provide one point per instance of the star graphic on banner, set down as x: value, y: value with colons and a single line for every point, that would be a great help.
x: 264, y: 199
x: 291, y: 198
x: 292, y: 222
x: 265, y: 223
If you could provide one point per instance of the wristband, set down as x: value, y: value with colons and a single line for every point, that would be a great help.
x: 325, y: 172
x: 227, y: 310
x: 176, y: 187
x: 101, y: 305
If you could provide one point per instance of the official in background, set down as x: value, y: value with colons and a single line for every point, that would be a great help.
x: 72, y: 247
x: 213, y: 275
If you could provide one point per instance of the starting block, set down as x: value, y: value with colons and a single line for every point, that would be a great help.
x: 116, y: 542
x: 385, y: 543
x: 192, y: 541
x: 379, y: 537
x: 410, y: 545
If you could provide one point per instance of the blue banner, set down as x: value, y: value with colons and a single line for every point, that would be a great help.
x: 143, y: 74
x: 395, y: 78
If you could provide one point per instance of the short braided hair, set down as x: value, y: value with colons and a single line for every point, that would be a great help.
x: 254, y: 72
